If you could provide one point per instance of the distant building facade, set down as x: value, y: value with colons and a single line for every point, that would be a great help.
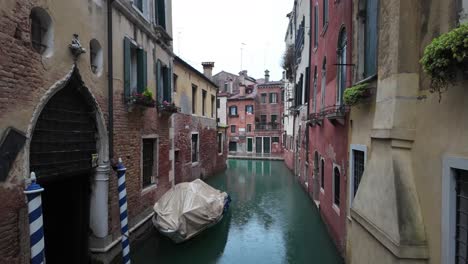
x: 196, y: 128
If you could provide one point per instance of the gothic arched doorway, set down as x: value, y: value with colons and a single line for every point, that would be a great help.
x: 62, y: 148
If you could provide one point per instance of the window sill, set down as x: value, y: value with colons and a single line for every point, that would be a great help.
x: 365, y: 80
x: 336, y: 208
x: 149, y: 188
x: 194, y: 164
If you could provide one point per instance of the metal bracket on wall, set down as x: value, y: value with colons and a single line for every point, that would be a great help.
x: 10, y: 145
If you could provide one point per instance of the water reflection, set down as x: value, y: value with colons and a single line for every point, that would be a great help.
x: 271, y: 221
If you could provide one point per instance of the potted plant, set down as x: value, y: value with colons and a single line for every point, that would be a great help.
x: 166, y: 107
x: 143, y: 100
x: 445, y: 57
x: 354, y: 94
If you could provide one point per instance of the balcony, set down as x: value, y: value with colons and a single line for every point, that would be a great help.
x: 336, y: 113
x: 316, y: 119
x: 267, y: 126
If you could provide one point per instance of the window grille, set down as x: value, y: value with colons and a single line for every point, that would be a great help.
x: 461, y: 230
x: 38, y: 30
x: 358, y: 168
x: 336, y: 183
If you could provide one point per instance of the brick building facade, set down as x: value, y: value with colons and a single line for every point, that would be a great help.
x: 59, y: 102
x: 196, y: 129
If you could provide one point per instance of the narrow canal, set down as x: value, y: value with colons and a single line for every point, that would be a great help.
x: 271, y: 220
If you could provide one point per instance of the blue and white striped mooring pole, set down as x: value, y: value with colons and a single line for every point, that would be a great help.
x: 123, y: 212
x: 36, y: 227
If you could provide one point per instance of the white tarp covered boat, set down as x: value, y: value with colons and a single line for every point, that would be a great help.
x: 189, y: 208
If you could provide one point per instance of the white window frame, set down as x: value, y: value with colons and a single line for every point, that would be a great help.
x: 155, y: 176
x: 448, y: 206
x: 194, y: 163
x: 464, y: 12
x: 335, y: 206
x: 274, y: 98
x: 353, y: 147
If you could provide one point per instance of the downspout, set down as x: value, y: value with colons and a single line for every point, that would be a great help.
x: 308, y: 99
x: 110, y: 79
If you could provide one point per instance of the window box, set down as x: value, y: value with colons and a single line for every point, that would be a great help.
x: 168, y: 108
x: 141, y: 100
x: 357, y: 93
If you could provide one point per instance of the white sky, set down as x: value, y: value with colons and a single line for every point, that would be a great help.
x: 213, y: 30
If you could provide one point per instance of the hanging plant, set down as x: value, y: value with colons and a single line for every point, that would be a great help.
x: 144, y: 99
x: 445, y: 56
x: 353, y: 95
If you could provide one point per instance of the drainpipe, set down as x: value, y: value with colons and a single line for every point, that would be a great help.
x: 308, y: 99
x: 110, y: 79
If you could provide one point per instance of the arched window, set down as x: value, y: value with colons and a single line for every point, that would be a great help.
x: 341, y: 84
x: 322, y: 174
x: 325, y: 13
x: 41, y: 31
x: 324, y: 83
x: 95, y: 53
x: 336, y: 186
x: 367, y: 38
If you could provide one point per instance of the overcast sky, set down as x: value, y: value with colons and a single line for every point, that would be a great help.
x: 214, y: 30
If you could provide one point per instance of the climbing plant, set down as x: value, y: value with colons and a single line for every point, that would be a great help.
x: 445, y: 56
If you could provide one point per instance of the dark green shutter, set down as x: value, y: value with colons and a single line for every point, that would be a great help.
x: 166, y: 96
x: 169, y: 84
x: 141, y: 71
x: 159, y: 81
x: 127, y: 61
x: 161, y: 5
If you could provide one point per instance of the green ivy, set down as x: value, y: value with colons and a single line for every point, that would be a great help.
x: 354, y: 94
x: 444, y: 56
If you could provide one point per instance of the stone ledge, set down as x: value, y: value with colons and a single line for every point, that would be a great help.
x: 398, y: 250
x: 394, y: 133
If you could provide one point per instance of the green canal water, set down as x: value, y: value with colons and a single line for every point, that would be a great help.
x: 271, y: 220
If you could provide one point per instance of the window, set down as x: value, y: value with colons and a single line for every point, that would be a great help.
x: 218, y: 103
x: 282, y: 96
x: 220, y: 143
x: 135, y: 69
x: 368, y: 37
x: 263, y: 119
x: 274, y: 121
x: 275, y: 140
x: 341, y: 84
x: 336, y: 186
x: 273, y: 98
x: 164, y: 77
x: 315, y: 90
x: 142, y: 7
x: 299, y: 42
x: 174, y: 81
x: 160, y: 13
x: 212, y: 105
x: 149, y: 157
x: 195, y: 146
x: 249, y: 109
x: 203, y: 103
x: 316, y: 28
x: 322, y: 174
x: 324, y: 83
x: 461, y: 239
x: 138, y: 4
x: 226, y: 85
x: 233, y: 129
x: 325, y: 13
x: 263, y: 98
x: 194, y: 99
x: 233, y: 111
x: 463, y: 14
x: 307, y: 86
x: 249, y: 127
x: 95, y: 53
x: 232, y: 146
x: 299, y: 89
x: 41, y: 31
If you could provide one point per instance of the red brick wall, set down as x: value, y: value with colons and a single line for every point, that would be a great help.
x: 184, y: 125
x: 241, y: 121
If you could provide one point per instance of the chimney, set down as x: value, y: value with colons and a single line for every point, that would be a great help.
x: 267, y: 76
x: 208, y: 69
x: 242, y: 90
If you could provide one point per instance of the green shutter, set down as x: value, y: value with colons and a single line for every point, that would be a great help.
x: 169, y: 84
x: 159, y: 85
x: 127, y: 61
x: 162, y: 13
x: 141, y: 71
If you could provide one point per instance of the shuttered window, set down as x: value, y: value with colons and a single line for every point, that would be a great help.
x: 135, y: 68
x: 164, y: 77
x: 325, y: 12
x: 316, y: 28
x: 160, y: 13
x: 371, y: 25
